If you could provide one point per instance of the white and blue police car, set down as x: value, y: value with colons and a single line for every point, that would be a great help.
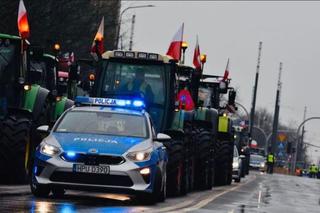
x: 102, y: 144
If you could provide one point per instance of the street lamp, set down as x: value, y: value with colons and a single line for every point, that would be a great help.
x: 120, y: 19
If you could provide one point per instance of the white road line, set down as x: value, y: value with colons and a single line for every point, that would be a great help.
x: 210, y: 199
x: 183, y: 207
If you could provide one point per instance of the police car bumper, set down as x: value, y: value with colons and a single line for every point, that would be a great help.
x: 123, y: 178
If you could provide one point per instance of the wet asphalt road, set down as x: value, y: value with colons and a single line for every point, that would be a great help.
x: 256, y: 193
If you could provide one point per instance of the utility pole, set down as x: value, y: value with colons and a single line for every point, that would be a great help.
x: 255, y: 94
x: 276, y: 114
x: 300, y: 151
x: 132, y: 32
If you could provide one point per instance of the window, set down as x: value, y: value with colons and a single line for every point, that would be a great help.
x: 103, y: 123
x: 147, y: 80
x: 6, y: 56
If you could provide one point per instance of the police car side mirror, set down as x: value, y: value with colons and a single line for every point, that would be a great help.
x: 43, y: 129
x: 162, y: 137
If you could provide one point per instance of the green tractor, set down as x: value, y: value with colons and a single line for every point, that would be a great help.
x: 204, y: 129
x: 28, y: 91
x: 210, y: 92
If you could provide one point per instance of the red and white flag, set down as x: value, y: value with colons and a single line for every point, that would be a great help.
x: 196, y: 56
x: 226, y: 72
x: 175, y: 46
x: 23, y: 25
x: 98, y: 39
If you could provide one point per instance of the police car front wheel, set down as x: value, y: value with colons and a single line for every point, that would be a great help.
x: 158, y: 193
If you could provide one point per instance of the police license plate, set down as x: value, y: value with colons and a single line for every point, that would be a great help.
x: 91, y: 169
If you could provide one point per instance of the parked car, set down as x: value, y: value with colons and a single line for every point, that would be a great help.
x: 237, y: 165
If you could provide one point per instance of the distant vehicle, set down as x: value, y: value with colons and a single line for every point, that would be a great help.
x: 257, y: 151
x: 102, y: 144
x: 236, y: 165
x: 258, y: 162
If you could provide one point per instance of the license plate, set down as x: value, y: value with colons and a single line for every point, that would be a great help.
x: 91, y: 169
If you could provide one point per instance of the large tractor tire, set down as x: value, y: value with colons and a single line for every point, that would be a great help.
x: 14, y: 137
x: 35, y: 136
x: 190, y: 147
x: 223, y: 162
x: 204, y: 169
x: 18, y: 140
x: 176, y: 168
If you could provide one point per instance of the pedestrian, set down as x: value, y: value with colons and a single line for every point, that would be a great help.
x: 270, y: 162
x: 313, y: 171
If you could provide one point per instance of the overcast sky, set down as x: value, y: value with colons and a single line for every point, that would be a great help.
x: 290, y: 32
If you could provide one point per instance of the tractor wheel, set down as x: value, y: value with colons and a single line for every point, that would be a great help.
x: 176, y: 177
x: 191, y: 144
x: 223, y: 163
x: 203, y: 167
x: 14, y: 137
x: 36, y: 137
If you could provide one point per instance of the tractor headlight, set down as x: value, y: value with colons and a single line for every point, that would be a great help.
x: 235, y: 165
x: 143, y: 155
x: 49, y: 150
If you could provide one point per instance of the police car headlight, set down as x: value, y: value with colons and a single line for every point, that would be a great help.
x: 143, y: 155
x: 49, y: 150
x: 262, y: 164
x: 235, y: 165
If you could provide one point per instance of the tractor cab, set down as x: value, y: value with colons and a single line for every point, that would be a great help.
x: 138, y: 74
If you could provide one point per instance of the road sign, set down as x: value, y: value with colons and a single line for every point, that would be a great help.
x: 281, y: 146
x: 282, y: 137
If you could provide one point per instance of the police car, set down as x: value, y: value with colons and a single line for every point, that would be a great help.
x: 102, y: 144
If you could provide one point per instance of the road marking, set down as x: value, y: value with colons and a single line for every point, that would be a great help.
x: 183, y: 207
x: 210, y: 199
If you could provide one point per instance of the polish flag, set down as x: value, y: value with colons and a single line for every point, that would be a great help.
x: 196, y: 56
x: 98, y: 38
x: 226, y: 72
x: 23, y: 25
x: 175, y: 47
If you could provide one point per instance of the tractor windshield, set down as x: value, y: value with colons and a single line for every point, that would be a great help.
x: 147, y: 81
x: 7, y: 52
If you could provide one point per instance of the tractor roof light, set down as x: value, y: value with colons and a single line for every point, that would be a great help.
x: 129, y: 54
x: 56, y: 47
x: 58, y: 98
x: 99, y: 37
x: 92, y: 77
x: 118, y: 54
x: 203, y: 58
x: 27, y: 87
x: 184, y: 45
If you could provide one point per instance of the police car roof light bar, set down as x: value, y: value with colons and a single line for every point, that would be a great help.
x: 93, y: 101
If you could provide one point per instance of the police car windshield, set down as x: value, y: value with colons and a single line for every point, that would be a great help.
x: 108, y: 123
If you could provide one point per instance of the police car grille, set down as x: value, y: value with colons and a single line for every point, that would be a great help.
x: 94, y: 159
x: 95, y: 179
